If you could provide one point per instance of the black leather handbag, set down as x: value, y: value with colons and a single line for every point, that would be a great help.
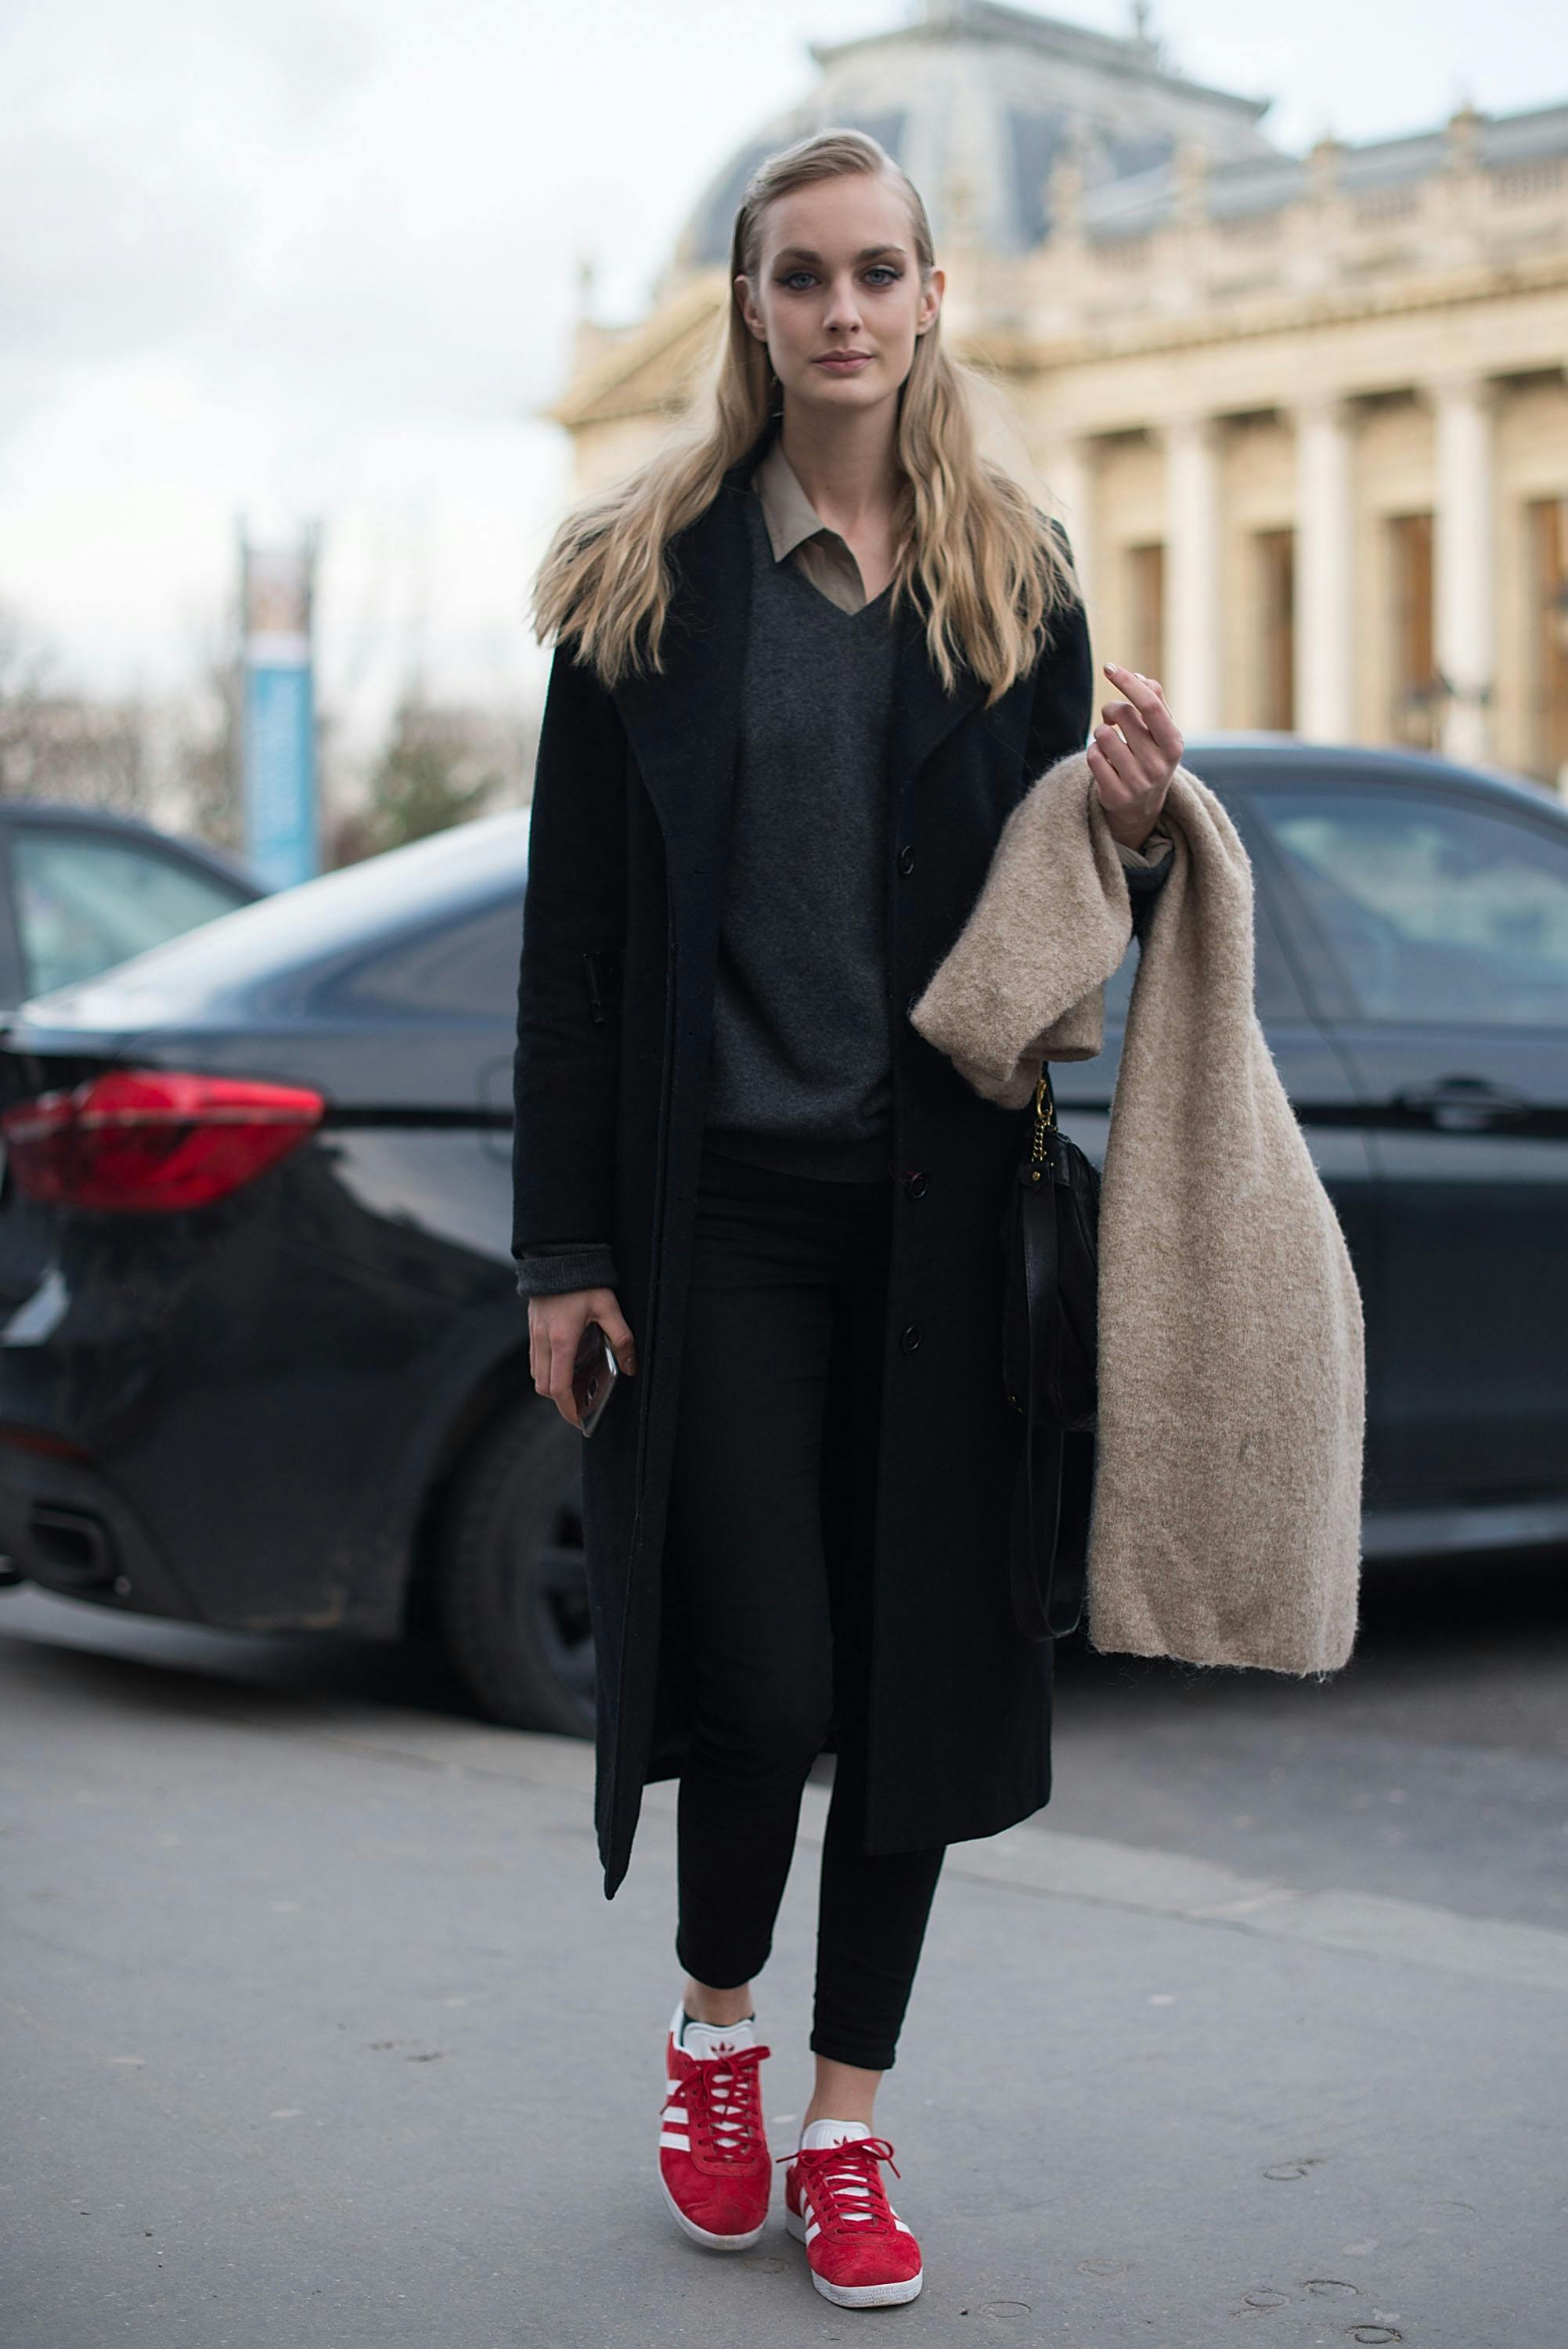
x: 1050, y: 1241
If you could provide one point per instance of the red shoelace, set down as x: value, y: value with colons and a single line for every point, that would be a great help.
x: 846, y: 2186
x: 725, y: 2091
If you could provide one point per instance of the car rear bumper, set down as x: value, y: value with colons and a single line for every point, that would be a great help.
x: 64, y: 1526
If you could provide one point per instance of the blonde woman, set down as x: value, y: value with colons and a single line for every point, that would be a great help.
x: 808, y: 657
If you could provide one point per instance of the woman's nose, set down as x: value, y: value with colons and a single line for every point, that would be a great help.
x: 843, y: 309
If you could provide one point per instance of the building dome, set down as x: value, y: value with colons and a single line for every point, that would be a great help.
x: 978, y: 103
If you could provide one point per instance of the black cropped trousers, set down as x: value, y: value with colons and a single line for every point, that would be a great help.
x: 769, y: 1549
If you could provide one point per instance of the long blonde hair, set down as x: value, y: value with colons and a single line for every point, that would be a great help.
x: 972, y: 548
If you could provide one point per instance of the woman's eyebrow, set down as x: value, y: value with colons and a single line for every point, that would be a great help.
x: 804, y: 252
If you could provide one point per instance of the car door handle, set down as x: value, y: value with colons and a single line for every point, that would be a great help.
x: 1464, y: 1104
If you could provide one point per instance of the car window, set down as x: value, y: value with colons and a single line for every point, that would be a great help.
x: 1437, y: 910
x: 85, y: 903
x: 467, y: 969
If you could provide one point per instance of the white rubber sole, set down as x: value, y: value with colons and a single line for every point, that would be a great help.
x: 701, y: 2235
x: 856, y: 2295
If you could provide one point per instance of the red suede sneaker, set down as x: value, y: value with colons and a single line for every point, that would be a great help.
x: 862, y: 2253
x: 714, y: 2165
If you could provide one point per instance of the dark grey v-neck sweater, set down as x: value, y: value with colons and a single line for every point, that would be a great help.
x: 801, y: 1073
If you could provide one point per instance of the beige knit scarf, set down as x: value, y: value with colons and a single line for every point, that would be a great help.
x: 1227, y: 1506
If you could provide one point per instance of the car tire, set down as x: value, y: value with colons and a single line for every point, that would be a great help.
x: 513, y: 1594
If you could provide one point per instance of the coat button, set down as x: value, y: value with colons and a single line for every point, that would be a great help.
x: 906, y: 859
x: 910, y: 1338
x: 916, y: 1186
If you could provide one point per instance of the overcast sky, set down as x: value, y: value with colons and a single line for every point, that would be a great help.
x: 318, y: 257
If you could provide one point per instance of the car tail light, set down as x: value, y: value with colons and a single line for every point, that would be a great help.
x: 153, y: 1140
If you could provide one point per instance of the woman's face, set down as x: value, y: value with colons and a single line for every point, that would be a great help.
x: 838, y: 297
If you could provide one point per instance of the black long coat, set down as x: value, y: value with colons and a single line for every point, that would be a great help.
x: 631, y: 804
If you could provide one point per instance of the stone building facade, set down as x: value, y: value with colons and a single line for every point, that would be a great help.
x: 1305, y: 417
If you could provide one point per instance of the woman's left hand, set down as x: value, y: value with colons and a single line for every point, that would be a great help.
x: 1133, y: 756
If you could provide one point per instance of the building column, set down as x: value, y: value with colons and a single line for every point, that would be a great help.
x: 1069, y: 469
x: 1324, y: 572
x: 1192, y: 631
x: 1465, y: 587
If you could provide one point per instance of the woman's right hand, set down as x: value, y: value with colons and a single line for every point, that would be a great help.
x: 555, y: 1326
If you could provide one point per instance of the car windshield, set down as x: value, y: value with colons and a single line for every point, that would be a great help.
x: 318, y: 921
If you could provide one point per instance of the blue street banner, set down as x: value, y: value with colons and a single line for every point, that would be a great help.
x: 281, y: 830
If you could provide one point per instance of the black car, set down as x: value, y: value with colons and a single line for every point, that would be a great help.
x: 261, y: 1359
x: 82, y: 889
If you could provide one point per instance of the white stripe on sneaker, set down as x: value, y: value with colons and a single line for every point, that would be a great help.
x: 675, y: 2139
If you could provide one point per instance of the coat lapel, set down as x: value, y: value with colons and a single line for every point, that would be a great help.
x: 684, y: 723
x: 923, y: 714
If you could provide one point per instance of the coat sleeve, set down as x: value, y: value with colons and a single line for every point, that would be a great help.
x: 566, y: 1065
x: 1059, y: 723
x: 553, y: 1266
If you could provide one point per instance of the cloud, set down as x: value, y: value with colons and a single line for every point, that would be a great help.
x: 126, y: 178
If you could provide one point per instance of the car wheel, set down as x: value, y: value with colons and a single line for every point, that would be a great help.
x: 512, y: 1586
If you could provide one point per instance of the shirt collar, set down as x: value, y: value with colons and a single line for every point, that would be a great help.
x: 786, y: 509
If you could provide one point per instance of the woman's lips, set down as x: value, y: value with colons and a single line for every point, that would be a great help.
x: 845, y: 366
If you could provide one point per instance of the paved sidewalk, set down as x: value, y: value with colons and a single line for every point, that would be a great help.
x: 319, y: 2030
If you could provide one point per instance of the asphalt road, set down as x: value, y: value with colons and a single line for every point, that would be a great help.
x: 317, y: 2029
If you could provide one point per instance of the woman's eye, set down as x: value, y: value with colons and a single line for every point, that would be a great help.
x: 879, y: 270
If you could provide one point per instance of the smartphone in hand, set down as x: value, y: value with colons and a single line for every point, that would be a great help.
x: 593, y: 1376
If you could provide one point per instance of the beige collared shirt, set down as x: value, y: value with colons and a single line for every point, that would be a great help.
x: 795, y: 528
x: 796, y: 531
